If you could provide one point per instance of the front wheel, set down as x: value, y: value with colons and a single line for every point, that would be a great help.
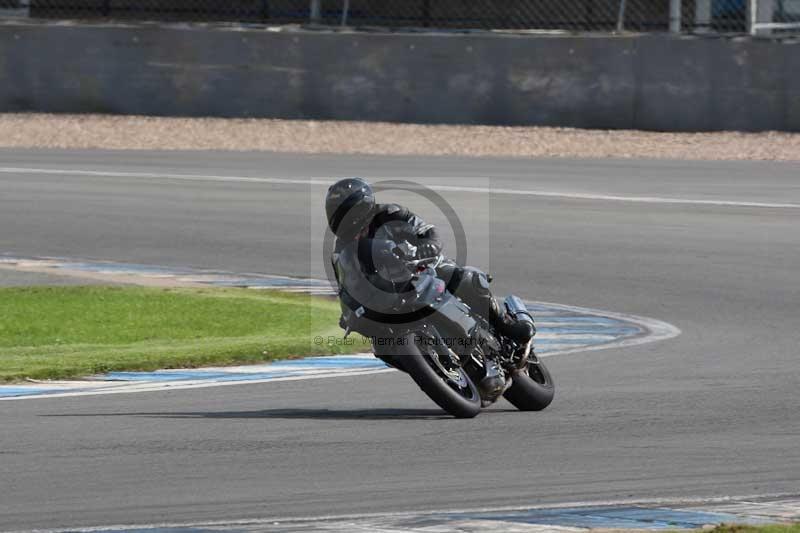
x: 451, y: 388
x: 532, y: 388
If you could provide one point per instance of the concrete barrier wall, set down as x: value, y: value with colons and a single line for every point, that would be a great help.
x: 642, y: 82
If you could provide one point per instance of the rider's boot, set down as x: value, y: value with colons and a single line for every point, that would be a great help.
x: 520, y: 331
x: 472, y: 286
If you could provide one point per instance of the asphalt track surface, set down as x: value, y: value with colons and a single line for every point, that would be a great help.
x: 712, y: 412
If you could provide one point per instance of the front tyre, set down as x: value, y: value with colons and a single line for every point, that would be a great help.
x: 450, y: 389
x: 532, y: 388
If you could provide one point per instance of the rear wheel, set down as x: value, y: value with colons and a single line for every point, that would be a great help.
x: 532, y: 388
x: 450, y: 387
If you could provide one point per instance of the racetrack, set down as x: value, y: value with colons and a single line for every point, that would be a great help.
x: 709, y: 413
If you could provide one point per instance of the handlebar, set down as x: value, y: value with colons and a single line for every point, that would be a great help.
x: 405, y: 250
x: 436, y: 260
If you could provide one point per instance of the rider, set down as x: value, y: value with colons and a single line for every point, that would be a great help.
x: 353, y: 214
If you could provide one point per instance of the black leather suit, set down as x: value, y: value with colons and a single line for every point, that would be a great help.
x: 391, y: 221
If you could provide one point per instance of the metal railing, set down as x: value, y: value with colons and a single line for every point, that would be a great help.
x: 756, y: 17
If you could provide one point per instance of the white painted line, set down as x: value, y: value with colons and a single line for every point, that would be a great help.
x: 656, y: 502
x: 150, y: 175
x: 152, y: 386
x: 444, y: 188
x: 617, y: 198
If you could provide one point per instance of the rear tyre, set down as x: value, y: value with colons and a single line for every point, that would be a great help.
x: 450, y: 389
x: 532, y: 389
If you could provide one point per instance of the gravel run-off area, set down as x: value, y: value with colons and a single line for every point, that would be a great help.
x: 378, y: 138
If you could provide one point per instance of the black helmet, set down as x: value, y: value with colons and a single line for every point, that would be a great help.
x: 348, y: 205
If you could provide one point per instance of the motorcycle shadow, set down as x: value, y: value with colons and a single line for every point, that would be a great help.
x: 325, y: 414
x: 289, y: 414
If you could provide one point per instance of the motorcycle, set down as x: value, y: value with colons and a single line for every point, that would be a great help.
x: 417, y: 326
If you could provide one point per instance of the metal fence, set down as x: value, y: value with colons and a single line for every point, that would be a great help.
x: 757, y: 17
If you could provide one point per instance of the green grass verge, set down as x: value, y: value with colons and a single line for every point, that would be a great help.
x: 62, y: 332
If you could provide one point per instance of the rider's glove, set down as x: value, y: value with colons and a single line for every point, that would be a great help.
x: 405, y: 250
x: 427, y: 250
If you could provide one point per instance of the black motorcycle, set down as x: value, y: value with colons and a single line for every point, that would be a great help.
x: 417, y: 326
